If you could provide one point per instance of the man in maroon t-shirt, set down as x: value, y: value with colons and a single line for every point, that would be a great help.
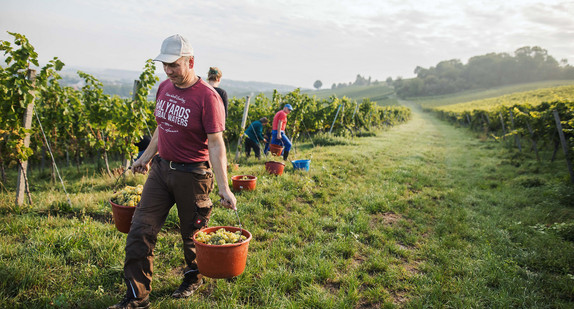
x: 187, y: 143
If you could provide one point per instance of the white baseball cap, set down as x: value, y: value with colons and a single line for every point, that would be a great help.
x: 174, y: 48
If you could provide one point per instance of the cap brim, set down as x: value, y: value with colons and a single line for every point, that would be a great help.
x: 167, y: 58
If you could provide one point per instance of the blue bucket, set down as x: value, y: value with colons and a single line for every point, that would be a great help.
x: 301, y: 164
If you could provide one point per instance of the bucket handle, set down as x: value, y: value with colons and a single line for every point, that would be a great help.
x: 240, y: 228
x: 239, y: 221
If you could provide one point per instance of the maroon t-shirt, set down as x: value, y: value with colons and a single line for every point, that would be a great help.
x: 184, y: 118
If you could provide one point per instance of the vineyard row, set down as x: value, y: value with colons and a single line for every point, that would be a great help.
x: 86, y: 122
x: 548, y: 124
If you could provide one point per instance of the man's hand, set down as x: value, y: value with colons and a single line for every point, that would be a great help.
x: 143, y: 164
x: 228, y: 200
x: 140, y: 166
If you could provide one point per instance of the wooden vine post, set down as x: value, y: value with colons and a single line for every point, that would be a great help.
x: 343, y: 115
x: 355, y: 111
x: 532, y: 137
x: 485, y: 122
x: 243, y: 121
x: 516, y: 136
x: 353, y: 117
x: 503, y: 128
x: 564, y: 144
x: 22, y: 182
x: 336, y: 115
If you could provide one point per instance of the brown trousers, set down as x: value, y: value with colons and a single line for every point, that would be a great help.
x: 164, y: 187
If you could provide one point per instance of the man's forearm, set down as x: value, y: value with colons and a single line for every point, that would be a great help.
x: 218, y: 159
x: 279, y: 126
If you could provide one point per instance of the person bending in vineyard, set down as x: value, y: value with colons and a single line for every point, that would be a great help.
x: 186, y: 145
x: 278, y: 136
x: 214, y: 78
x: 255, y: 136
x: 142, y: 145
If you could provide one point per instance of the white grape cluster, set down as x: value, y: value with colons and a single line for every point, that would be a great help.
x: 129, y: 196
x: 219, y: 237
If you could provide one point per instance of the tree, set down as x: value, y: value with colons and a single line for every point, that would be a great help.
x: 317, y: 84
x: 361, y: 81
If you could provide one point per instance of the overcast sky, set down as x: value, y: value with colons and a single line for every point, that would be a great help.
x: 292, y: 42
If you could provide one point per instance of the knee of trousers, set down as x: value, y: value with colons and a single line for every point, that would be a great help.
x: 141, y: 240
x: 286, y: 144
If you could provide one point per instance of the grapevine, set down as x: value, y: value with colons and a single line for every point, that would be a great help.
x: 524, y: 115
x: 313, y: 116
x: 85, y: 123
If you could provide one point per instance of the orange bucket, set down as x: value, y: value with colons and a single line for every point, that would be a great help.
x: 274, y: 167
x: 239, y: 183
x: 232, y: 167
x: 222, y: 261
x: 275, y: 149
x: 122, y: 216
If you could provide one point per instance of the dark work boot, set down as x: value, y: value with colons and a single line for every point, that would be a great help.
x: 187, y: 288
x: 285, y: 154
x: 132, y: 303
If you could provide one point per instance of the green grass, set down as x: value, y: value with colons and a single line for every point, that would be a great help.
x: 474, y: 95
x: 423, y: 215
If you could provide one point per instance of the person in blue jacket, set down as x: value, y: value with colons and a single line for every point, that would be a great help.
x: 255, y: 136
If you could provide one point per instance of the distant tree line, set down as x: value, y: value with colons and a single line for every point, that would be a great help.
x: 359, y: 81
x: 529, y: 64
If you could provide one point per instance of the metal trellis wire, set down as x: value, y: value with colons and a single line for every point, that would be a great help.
x: 52, y: 156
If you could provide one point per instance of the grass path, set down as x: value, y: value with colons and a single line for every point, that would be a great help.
x: 477, y: 209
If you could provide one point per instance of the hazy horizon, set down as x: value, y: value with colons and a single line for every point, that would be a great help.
x: 290, y: 42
